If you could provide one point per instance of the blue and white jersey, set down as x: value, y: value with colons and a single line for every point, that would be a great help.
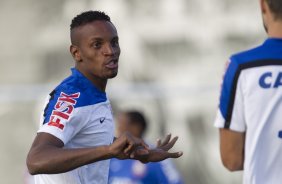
x: 251, y: 102
x: 135, y: 172
x: 80, y: 115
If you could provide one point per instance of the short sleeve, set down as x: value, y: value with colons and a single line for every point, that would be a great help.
x: 61, y: 117
x: 230, y: 114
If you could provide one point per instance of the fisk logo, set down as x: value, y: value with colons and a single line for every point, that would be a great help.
x: 63, y: 109
x: 268, y: 80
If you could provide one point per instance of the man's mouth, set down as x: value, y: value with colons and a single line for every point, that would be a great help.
x: 112, y: 64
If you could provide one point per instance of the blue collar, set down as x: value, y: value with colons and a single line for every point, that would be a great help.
x: 77, y: 74
x: 271, y: 41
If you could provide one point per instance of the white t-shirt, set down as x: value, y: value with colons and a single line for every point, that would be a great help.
x: 80, y: 115
x: 251, y: 102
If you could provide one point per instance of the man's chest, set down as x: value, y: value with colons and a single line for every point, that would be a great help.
x: 99, y: 129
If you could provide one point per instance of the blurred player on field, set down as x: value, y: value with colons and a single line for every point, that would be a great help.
x: 250, y: 110
x: 133, y: 171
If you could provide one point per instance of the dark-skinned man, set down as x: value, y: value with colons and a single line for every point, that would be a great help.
x: 75, y: 141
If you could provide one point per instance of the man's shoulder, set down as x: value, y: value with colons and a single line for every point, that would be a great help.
x: 69, y: 84
x: 84, y: 93
x: 249, y: 55
x: 263, y: 55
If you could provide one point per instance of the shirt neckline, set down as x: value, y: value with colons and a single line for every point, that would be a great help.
x: 273, y: 40
x: 77, y: 73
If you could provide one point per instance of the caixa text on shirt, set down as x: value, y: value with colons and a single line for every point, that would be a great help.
x: 63, y: 109
x: 270, y: 80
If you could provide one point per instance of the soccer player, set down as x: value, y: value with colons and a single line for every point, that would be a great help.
x: 250, y: 110
x: 133, y: 171
x: 75, y: 142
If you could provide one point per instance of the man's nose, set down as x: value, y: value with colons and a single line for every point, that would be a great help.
x: 108, y: 50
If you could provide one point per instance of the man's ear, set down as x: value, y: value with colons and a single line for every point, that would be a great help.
x: 74, y: 50
x: 263, y: 6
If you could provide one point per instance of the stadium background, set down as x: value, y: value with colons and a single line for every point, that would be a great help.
x: 173, y: 57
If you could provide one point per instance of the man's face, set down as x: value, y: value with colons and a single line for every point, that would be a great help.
x: 124, y: 124
x: 97, y: 49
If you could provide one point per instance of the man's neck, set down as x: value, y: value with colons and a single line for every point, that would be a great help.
x: 96, y: 81
x: 275, y: 29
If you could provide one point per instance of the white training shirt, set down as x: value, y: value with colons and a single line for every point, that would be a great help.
x: 80, y: 115
x: 251, y: 102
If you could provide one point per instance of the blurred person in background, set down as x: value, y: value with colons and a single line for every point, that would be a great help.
x: 75, y: 140
x: 250, y: 110
x: 133, y: 171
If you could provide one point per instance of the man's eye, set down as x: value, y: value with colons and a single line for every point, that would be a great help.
x: 96, y: 44
x: 115, y: 43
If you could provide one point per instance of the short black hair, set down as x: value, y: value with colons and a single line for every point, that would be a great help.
x: 136, y: 117
x: 276, y: 8
x: 88, y: 17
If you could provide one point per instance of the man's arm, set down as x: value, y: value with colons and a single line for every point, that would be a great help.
x: 47, y: 155
x: 232, y: 149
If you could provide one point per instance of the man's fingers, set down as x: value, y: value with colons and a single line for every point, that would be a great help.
x: 130, y: 143
x: 170, y: 144
x: 159, y: 142
x: 175, y: 154
x: 139, y: 148
x: 166, y: 140
x: 133, y: 144
x: 139, y: 153
x: 144, y: 145
x: 129, y: 148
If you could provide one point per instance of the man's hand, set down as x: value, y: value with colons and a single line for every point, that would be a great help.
x: 160, y: 152
x: 125, y: 146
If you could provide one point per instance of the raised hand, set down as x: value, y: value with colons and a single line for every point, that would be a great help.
x: 125, y: 146
x: 160, y: 152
